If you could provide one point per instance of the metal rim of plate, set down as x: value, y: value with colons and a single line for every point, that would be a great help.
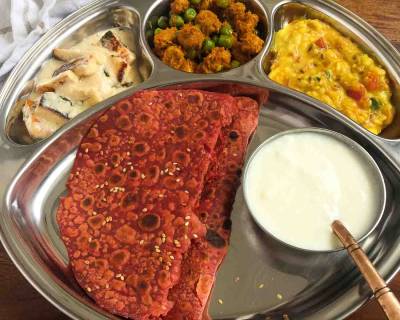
x: 18, y: 158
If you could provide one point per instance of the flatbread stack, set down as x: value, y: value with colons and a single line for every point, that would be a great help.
x: 146, y: 221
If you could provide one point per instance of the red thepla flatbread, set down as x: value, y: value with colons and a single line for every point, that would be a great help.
x: 202, y: 260
x: 128, y: 217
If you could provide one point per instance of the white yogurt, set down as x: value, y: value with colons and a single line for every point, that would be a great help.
x: 299, y: 183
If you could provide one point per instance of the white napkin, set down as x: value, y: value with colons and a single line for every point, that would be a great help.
x: 22, y: 23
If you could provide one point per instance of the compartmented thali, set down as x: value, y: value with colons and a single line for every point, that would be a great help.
x: 260, y: 278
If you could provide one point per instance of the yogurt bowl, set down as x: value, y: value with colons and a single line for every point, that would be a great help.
x: 314, y: 176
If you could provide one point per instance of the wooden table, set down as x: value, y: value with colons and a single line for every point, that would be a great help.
x: 18, y: 300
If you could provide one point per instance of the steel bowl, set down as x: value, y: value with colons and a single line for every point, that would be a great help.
x: 375, y: 176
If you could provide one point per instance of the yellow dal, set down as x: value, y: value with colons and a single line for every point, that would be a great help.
x: 327, y: 72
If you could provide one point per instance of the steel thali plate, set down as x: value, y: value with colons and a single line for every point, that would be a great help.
x: 259, y: 277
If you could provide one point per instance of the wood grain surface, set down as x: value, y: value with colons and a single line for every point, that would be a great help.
x: 18, y: 300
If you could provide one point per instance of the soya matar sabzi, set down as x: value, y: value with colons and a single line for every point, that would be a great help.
x: 206, y: 36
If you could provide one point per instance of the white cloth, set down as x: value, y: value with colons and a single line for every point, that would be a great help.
x: 22, y: 23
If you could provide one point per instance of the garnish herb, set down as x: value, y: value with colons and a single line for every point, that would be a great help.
x: 328, y: 73
x: 374, y: 104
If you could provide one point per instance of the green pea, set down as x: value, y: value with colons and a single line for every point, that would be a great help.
x: 195, y: 1
x: 235, y: 64
x: 226, y: 29
x: 225, y: 41
x: 176, y: 21
x: 190, y: 14
x: 150, y: 37
x: 153, y: 22
x: 149, y: 34
x: 208, y: 45
x: 192, y: 54
x: 157, y: 31
x: 162, y: 22
x: 222, y: 3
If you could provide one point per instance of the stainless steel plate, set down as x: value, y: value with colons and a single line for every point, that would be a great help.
x: 260, y: 277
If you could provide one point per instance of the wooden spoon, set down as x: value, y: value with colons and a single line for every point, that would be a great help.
x: 382, y: 292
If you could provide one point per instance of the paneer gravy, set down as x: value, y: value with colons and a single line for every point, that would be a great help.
x: 89, y: 72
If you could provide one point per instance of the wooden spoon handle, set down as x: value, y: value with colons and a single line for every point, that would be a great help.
x: 382, y: 292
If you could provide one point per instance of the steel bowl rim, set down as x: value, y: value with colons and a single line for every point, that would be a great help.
x: 349, y: 143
